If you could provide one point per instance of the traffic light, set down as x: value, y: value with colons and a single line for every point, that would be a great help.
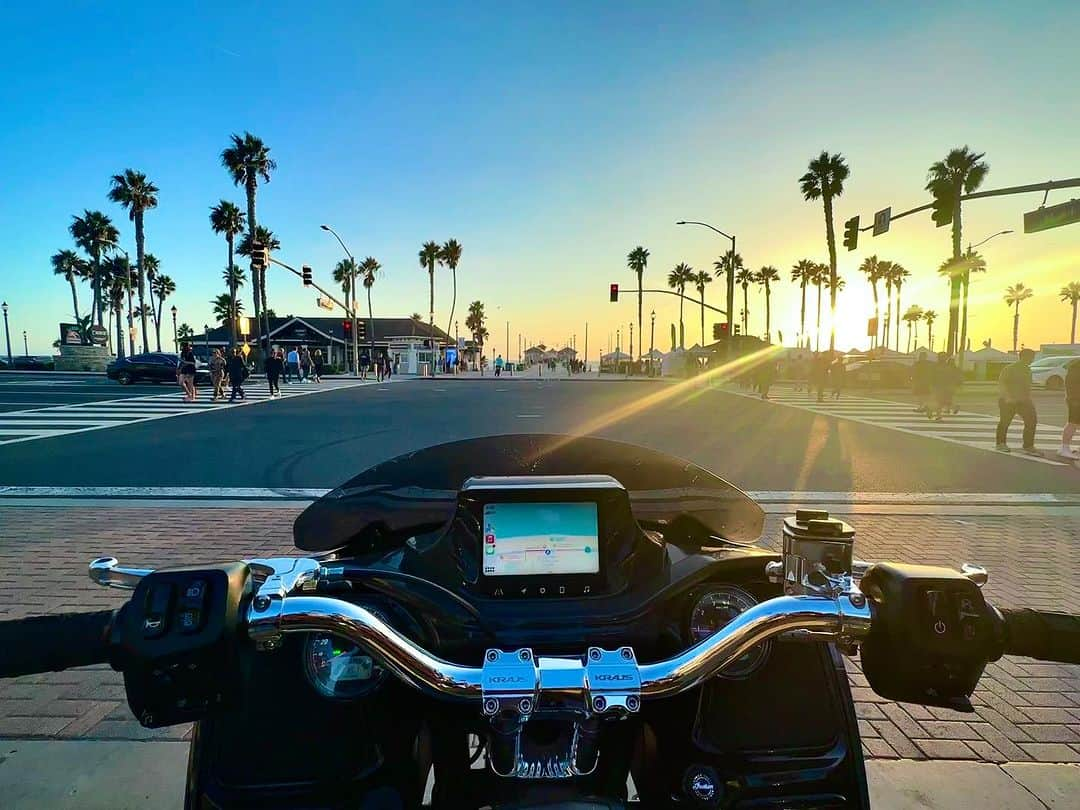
x: 361, y: 329
x: 346, y: 326
x: 851, y: 233
x: 943, y: 203
x: 260, y: 256
x: 738, y: 330
x: 305, y: 272
x: 614, y: 293
x: 719, y: 331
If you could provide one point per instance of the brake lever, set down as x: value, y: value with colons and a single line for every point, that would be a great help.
x: 107, y: 572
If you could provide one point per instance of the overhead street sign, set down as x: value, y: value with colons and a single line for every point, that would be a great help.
x: 325, y: 303
x: 881, y: 221
x: 1054, y: 216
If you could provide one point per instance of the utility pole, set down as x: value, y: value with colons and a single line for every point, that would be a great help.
x: 7, y: 334
x: 586, y: 360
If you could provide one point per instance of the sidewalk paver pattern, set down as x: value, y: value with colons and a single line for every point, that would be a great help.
x: 1026, y: 711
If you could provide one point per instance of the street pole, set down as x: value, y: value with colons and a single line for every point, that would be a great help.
x: 631, y: 341
x: 206, y: 340
x: 25, y: 348
x: 730, y: 274
x: 508, y: 341
x: 585, y: 362
x: 7, y: 334
x: 352, y: 293
x: 964, y: 318
x: 176, y: 343
x: 652, y: 339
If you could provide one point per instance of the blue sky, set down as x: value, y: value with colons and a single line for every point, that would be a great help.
x: 550, y: 139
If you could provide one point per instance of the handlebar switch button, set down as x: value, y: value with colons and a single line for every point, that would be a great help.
x: 158, y: 602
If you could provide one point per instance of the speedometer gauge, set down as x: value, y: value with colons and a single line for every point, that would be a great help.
x: 712, y: 611
x: 340, y: 669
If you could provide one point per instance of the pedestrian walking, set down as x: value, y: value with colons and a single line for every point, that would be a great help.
x: 1014, y: 399
x: 1072, y: 407
x: 499, y: 366
x: 365, y: 363
x: 238, y: 372
x: 217, y: 374
x: 766, y: 375
x: 317, y: 363
x: 275, y: 366
x: 292, y: 365
x: 921, y: 376
x: 837, y: 376
x: 305, y: 364
x: 944, y: 381
x: 187, y: 372
x: 819, y: 372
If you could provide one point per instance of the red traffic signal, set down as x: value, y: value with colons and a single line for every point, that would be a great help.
x: 347, y: 326
x: 614, y: 292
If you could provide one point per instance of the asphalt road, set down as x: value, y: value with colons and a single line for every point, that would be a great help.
x: 322, y: 439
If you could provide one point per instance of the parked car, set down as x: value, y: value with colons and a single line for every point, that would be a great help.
x: 152, y: 367
x: 878, y: 374
x: 1049, y: 372
x: 28, y: 363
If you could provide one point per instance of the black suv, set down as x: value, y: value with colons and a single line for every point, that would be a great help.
x: 153, y: 366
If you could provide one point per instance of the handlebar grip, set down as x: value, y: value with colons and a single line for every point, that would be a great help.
x: 55, y: 642
x: 1046, y: 636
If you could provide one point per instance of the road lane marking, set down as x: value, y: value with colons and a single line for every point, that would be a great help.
x: 529, y: 415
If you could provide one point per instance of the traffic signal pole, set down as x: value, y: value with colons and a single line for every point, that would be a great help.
x: 350, y: 311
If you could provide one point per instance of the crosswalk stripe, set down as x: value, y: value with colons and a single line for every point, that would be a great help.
x: 966, y: 428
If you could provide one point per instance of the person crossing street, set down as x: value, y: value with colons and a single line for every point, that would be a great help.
x: 217, y: 374
x: 238, y: 371
x: 1014, y: 399
x: 1072, y: 406
x: 274, y: 368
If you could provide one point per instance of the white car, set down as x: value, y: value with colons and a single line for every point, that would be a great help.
x: 1049, y: 372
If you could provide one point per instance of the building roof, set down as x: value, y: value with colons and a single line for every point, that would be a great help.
x: 332, y: 329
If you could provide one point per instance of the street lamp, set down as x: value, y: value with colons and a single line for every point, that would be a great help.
x: 631, y: 341
x: 962, y: 350
x: 652, y: 339
x: 352, y: 308
x: 176, y: 343
x: 987, y: 239
x: 7, y: 333
x: 206, y: 340
x: 730, y: 271
x: 25, y: 348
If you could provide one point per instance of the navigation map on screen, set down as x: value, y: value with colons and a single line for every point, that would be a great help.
x: 527, y: 539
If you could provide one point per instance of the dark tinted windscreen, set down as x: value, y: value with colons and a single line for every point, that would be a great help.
x: 420, y: 489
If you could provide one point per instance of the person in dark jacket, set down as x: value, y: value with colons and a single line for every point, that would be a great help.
x: 275, y: 367
x: 1072, y: 406
x: 237, y: 372
x: 921, y: 375
x: 944, y: 381
x: 1014, y: 399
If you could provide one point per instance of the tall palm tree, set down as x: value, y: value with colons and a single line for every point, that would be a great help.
x: 117, y: 284
x: 824, y: 180
x: 247, y: 160
x: 343, y: 275
x: 125, y: 278
x: 961, y: 172
x: 429, y: 254
x: 134, y: 191
x: 474, y: 322
x: 897, y: 273
x: 1014, y: 294
x: 368, y: 269
x: 766, y: 276
x: 973, y: 262
x: 184, y: 332
x: 637, y: 260
x: 1070, y: 294
x: 734, y: 262
x: 912, y: 317
x: 929, y: 316
x: 818, y: 277
x: 871, y: 267
x: 450, y: 255
x: 677, y: 279
x: 153, y: 270
x: 802, y: 272
x: 70, y: 265
x: 95, y: 234
x: 700, y: 280
x: 744, y: 278
x: 227, y: 308
x: 162, y: 286
x: 227, y: 218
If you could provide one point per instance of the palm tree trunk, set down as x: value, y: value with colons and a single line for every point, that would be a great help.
x: 119, y: 332
x: 963, y: 322
x: 885, y: 325
x: 131, y: 322
x: 75, y: 302
x: 877, y: 307
x: 768, y: 316
x: 682, y: 342
x: 930, y: 336
x: 232, y: 292
x: 898, y: 317
x: 1016, y: 326
x: 251, y: 186
x: 641, y: 343
x: 140, y: 255
x: 802, y: 312
x: 1072, y: 338
x: 431, y: 311
x: 955, y: 282
x: 371, y: 325
x: 99, y: 304
x: 908, y: 339
x: 817, y: 339
x: 157, y: 318
x: 453, y: 301
x: 830, y: 237
x: 639, y: 297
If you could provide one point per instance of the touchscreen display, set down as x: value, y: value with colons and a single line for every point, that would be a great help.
x: 529, y: 539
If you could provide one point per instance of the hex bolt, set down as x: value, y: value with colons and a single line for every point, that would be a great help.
x: 262, y: 602
x: 525, y: 706
x: 599, y: 704
x: 632, y: 703
x: 525, y: 655
x: 626, y: 653
x: 594, y: 654
x: 492, y: 656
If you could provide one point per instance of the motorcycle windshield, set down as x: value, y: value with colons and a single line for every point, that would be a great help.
x: 418, y: 490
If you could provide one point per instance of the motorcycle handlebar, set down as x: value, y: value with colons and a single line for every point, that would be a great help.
x: 55, y: 642
x: 1046, y: 636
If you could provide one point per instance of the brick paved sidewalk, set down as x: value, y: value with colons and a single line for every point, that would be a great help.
x: 1025, y: 711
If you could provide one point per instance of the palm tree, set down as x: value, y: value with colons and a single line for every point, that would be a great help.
x: 429, y: 254
x: 802, y: 272
x: 95, y: 233
x: 961, y: 172
x: 118, y: 283
x: 162, y: 286
x: 637, y: 260
x: 134, y: 191
x: 153, y: 269
x: 70, y: 265
x: 368, y: 268
x: 677, y: 279
x: 450, y: 255
x: 1014, y: 294
x: 700, y: 280
x: 744, y: 278
x: 818, y: 277
x: 825, y: 180
x: 474, y: 322
x: 343, y: 275
x: 416, y: 317
x: 247, y: 160
x: 973, y: 262
x: 871, y: 267
x: 897, y: 274
x: 912, y: 317
x: 184, y: 332
x: 234, y: 278
x: 930, y: 316
x: 120, y: 275
x: 227, y: 308
x: 1070, y: 294
x: 765, y: 277
x: 734, y: 262
x: 227, y: 218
